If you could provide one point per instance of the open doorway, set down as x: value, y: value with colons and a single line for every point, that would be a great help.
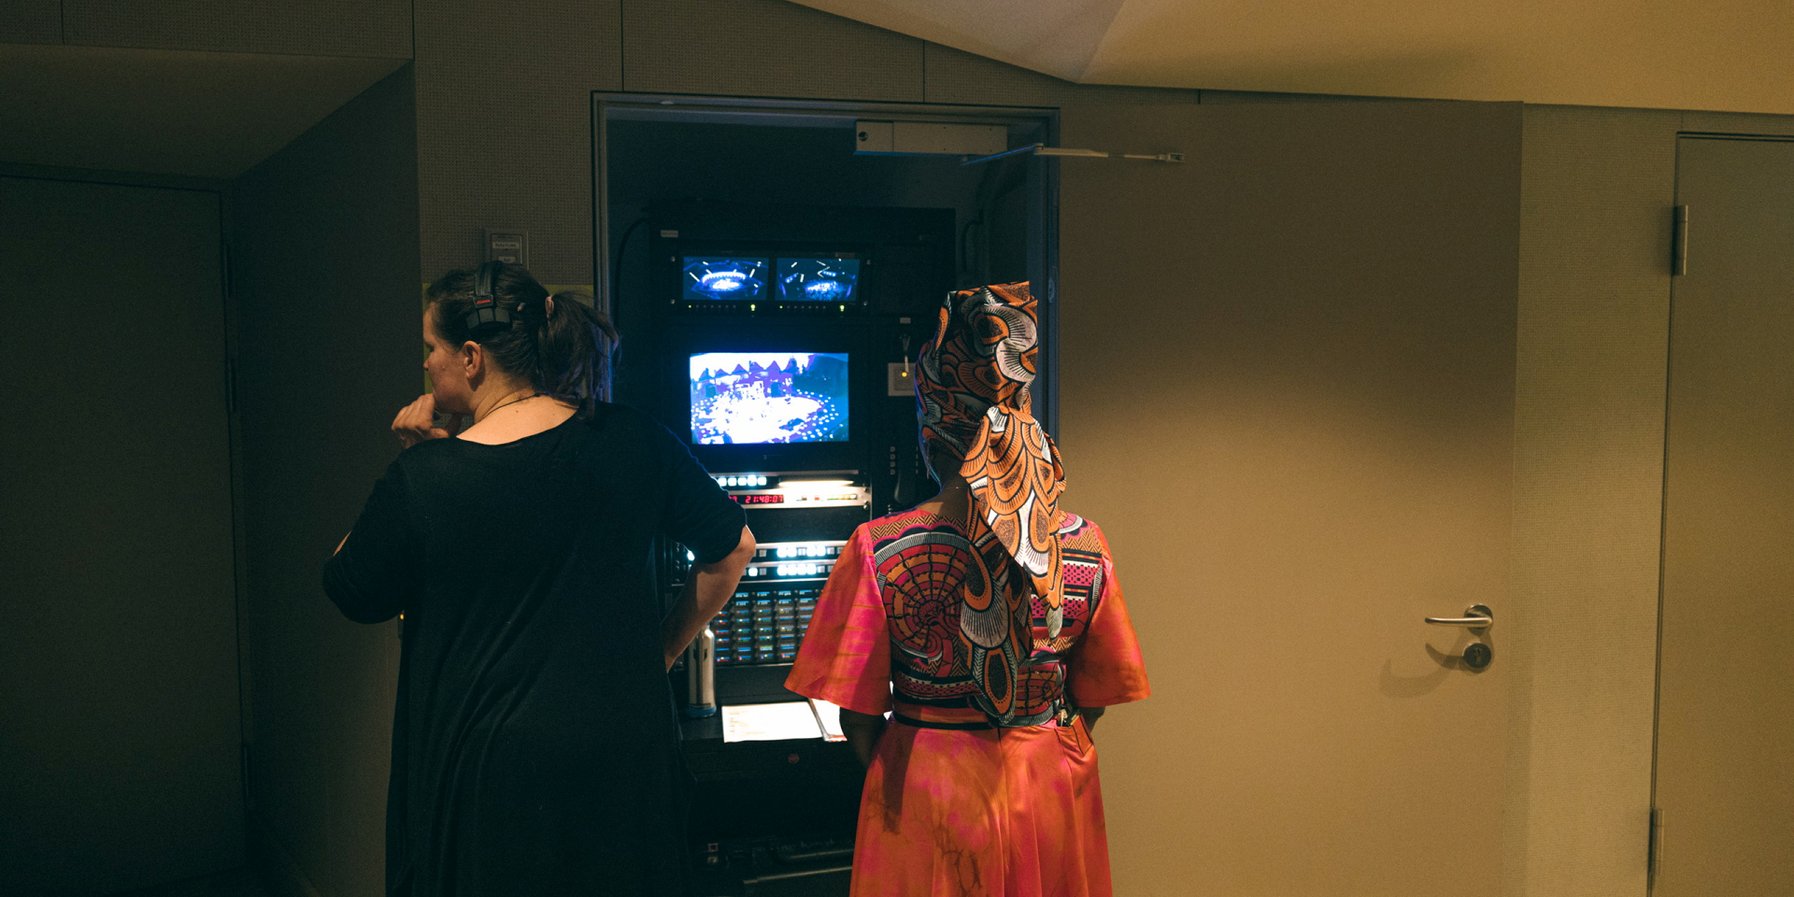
x: 773, y: 281
x: 768, y: 170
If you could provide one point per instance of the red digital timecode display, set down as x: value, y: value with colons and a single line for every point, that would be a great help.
x: 770, y: 498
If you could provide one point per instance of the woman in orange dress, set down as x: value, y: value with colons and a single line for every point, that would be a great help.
x: 989, y: 624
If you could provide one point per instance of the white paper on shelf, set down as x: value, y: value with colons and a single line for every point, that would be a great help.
x: 783, y: 721
x: 829, y: 717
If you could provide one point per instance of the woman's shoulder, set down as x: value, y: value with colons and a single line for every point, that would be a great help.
x: 1073, y: 528
x: 1080, y: 534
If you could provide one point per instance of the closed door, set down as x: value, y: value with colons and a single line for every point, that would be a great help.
x: 119, y: 734
x: 1725, y: 709
x: 1287, y: 374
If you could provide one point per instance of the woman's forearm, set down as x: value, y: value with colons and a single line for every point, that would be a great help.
x: 1091, y: 715
x: 862, y: 731
x: 707, y: 589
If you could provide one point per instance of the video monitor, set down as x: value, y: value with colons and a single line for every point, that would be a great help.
x: 761, y: 398
x: 816, y: 279
x: 723, y: 278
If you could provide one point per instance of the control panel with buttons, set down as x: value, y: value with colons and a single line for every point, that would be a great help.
x: 763, y: 626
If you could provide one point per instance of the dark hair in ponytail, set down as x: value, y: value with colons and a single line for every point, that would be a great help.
x: 564, y: 352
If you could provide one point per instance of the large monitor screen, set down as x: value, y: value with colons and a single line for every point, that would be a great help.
x: 768, y: 397
x: 723, y: 278
x: 819, y: 280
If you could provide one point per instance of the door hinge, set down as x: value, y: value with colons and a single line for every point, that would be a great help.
x: 1654, y: 848
x: 1678, y: 253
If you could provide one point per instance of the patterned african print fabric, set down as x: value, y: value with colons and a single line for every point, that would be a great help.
x: 888, y: 627
x: 974, y: 402
x: 955, y: 804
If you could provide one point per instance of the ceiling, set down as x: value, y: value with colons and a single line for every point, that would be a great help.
x: 204, y: 115
x: 214, y: 115
x: 1717, y: 55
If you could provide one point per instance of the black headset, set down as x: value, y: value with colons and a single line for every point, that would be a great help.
x: 487, y: 318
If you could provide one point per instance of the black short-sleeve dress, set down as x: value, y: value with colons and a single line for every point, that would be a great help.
x: 535, y: 746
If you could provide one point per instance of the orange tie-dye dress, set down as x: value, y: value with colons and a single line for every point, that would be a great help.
x: 955, y: 803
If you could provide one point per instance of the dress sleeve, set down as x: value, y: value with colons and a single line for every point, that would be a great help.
x: 372, y: 576
x: 698, y: 513
x: 845, y: 658
x: 1106, y: 667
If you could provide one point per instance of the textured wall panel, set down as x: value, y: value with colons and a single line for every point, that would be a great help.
x: 310, y: 27
x: 323, y: 253
x: 955, y: 76
x: 1592, y: 348
x: 504, y: 127
x: 764, y: 48
x: 30, y: 21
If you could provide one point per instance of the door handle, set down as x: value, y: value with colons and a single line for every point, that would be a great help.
x: 1477, y: 618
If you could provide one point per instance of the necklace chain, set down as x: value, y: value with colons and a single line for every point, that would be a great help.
x: 510, y: 402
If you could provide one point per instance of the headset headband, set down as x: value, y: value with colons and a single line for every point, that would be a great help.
x: 487, y: 318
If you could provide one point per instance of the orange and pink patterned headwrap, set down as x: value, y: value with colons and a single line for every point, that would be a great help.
x: 974, y: 404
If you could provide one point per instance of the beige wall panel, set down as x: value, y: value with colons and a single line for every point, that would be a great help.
x: 1592, y: 348
x: 30, y: 21
x: 312, y: 27
x: 504, y: 133
x: 764, y: 48
x: 955, y: 76
x: 324, y: 255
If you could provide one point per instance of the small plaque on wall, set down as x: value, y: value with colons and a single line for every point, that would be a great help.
x: 508, y: 245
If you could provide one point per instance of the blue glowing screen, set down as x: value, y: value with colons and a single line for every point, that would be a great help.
x: 720, y: 278
x: 819, y: 280
x: 742, y: 398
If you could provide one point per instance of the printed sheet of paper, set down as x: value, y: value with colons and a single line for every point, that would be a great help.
x: 829, y: 716
x: 783, y: 721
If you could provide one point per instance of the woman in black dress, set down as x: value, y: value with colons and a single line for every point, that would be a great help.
x: 535, y: 746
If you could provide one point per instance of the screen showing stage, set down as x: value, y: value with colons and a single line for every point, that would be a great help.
x: 748, y: 398
x: 819, y: 280
x: 724, y: 278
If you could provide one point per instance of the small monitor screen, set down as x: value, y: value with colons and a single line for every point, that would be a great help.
x: 819, y: 280
x: 724, y: 278
x: 768, y: 397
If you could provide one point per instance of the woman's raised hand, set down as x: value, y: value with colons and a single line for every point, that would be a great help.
x: 416, y: 422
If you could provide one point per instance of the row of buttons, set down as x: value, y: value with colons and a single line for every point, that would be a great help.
x: 806, y: 550
x: 762, y: 627
x: 789, y: 570
x: 735, y: 481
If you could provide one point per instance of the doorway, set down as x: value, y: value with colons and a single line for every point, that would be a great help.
x: 658, y: 158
